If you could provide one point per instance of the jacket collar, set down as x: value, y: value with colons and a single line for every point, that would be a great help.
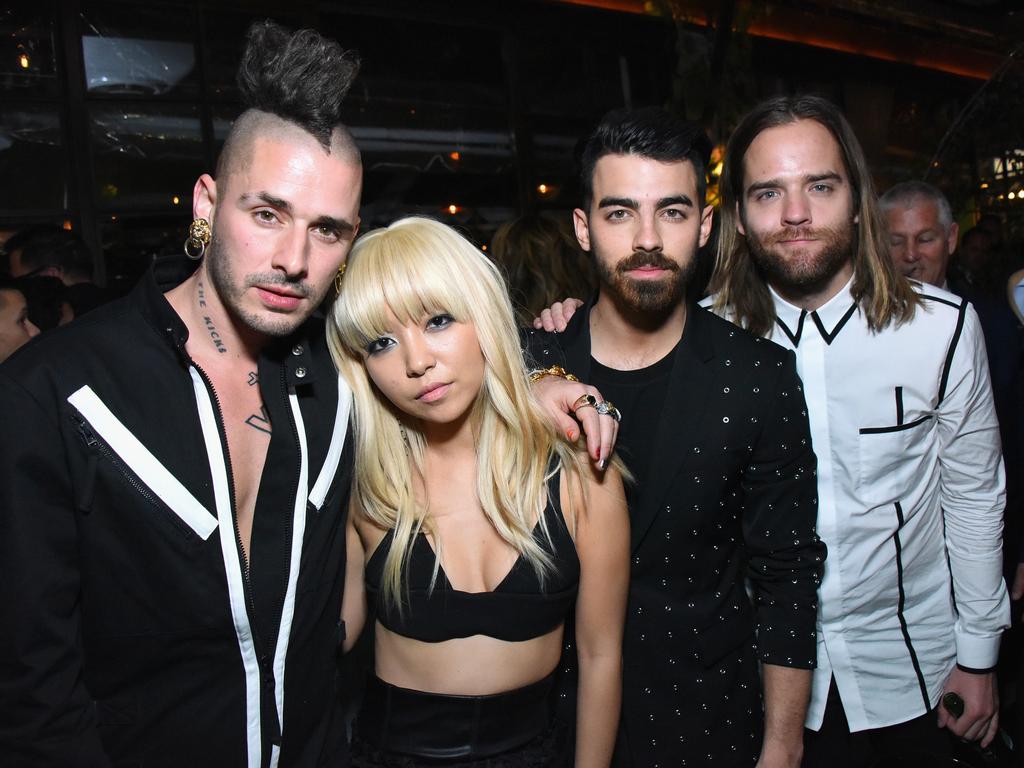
x: 576, y: 342
x: 689, y: 387
x: 828, y: 320
x: 148, y: 297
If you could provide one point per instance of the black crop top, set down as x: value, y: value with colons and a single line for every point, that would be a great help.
x: 516, y: 610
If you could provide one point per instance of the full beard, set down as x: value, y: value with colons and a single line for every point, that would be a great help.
x: 231, y: 291
x: 802, y: 271
x: 654, y: 296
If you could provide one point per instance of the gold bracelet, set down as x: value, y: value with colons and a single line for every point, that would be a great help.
x: 555, y: 370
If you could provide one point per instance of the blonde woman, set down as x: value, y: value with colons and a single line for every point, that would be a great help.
x: 475, y: 528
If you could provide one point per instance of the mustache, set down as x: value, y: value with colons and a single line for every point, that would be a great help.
x: 639, y: 259
x: 276, y: 279
x: 800, y: 233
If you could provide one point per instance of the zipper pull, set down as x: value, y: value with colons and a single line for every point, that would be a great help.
x: 87, y: 434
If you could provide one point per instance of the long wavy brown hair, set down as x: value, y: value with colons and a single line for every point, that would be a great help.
x: 741, y: 291
x: 542, y: 263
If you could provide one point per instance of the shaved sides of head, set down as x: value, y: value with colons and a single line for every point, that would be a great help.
x: 254, y: 123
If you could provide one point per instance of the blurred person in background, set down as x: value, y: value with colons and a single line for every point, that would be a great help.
x: 15, y: 327
x: 972, y: 261
x: 48, y: 303
x: 542, y: 263
x: 51, y: 251
x: 922, y: 233
x: 979, y: 273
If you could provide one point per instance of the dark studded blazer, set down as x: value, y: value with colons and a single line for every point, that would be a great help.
x: 731, y: 497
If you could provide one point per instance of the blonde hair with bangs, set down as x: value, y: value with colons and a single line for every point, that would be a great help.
x: 414, y: 268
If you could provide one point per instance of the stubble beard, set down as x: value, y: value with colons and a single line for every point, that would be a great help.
x: 231, y: 291
x: 646, y: 296
x: 801, y: 271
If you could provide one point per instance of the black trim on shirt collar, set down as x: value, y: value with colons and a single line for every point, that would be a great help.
x: 795, y: 338
x: 830, y: 337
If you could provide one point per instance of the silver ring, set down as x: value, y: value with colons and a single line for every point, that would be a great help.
x: 605, y: 408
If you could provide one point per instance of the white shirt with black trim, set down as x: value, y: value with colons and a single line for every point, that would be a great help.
x: 910, y: 502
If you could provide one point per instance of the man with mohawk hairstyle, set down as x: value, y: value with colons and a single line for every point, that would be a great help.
x: 174, y: 469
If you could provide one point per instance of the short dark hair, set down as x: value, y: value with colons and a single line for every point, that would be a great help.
x: 52, y: 246
x: 974, y: 233
x: 651, y: 132
x: 299, y: 76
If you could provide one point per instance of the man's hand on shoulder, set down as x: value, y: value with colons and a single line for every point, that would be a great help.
x: 555, y: 318
x: 980, y: 719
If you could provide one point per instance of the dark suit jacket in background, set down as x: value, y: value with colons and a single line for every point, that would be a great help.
x: 731, y: 493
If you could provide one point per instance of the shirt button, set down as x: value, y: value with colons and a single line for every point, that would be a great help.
x: 297, y: 350
x: 300, y: 372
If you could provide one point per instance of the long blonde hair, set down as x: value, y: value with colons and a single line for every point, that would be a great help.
x: 419, y: 267
x: 885, y: 296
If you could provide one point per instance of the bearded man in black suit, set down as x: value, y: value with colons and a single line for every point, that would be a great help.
x: 716, y: 435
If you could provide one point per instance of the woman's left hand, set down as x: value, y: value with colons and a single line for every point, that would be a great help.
x: 559, y: 396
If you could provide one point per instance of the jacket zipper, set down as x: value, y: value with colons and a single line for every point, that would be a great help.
x: 95, y: 443
x: 266, y: 663
x: 246, y: 582
x: 289, y: 530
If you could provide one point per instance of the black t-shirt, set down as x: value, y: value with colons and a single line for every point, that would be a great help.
x: 640, y: 397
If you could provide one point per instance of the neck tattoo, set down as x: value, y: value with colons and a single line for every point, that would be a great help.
x: 218, y: 342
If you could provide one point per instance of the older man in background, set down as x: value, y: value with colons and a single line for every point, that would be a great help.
x: 922, y: 233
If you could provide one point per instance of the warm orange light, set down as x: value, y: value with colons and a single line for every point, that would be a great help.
x: 984, y: 185
x: 23, y: 60
x: 483, y: 247
x: 453, y: 209
x: 67, y: 224
x: 175, y: 200
x: 821, y: 32
x: 455, y: 156
x: 542, y: 188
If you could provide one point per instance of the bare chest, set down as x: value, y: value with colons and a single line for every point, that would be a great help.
x: 247, y: 429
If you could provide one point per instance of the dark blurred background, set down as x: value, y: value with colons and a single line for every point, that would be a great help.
x: 471, y: 111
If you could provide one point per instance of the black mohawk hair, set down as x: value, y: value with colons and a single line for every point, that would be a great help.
x: 298, y: 76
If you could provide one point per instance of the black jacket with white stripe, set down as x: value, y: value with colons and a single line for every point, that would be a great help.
x: 130, y: 632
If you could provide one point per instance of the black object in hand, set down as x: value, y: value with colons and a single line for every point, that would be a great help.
x: 953, y: 703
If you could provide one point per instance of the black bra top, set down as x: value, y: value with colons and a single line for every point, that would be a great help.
x: 516, y: 610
